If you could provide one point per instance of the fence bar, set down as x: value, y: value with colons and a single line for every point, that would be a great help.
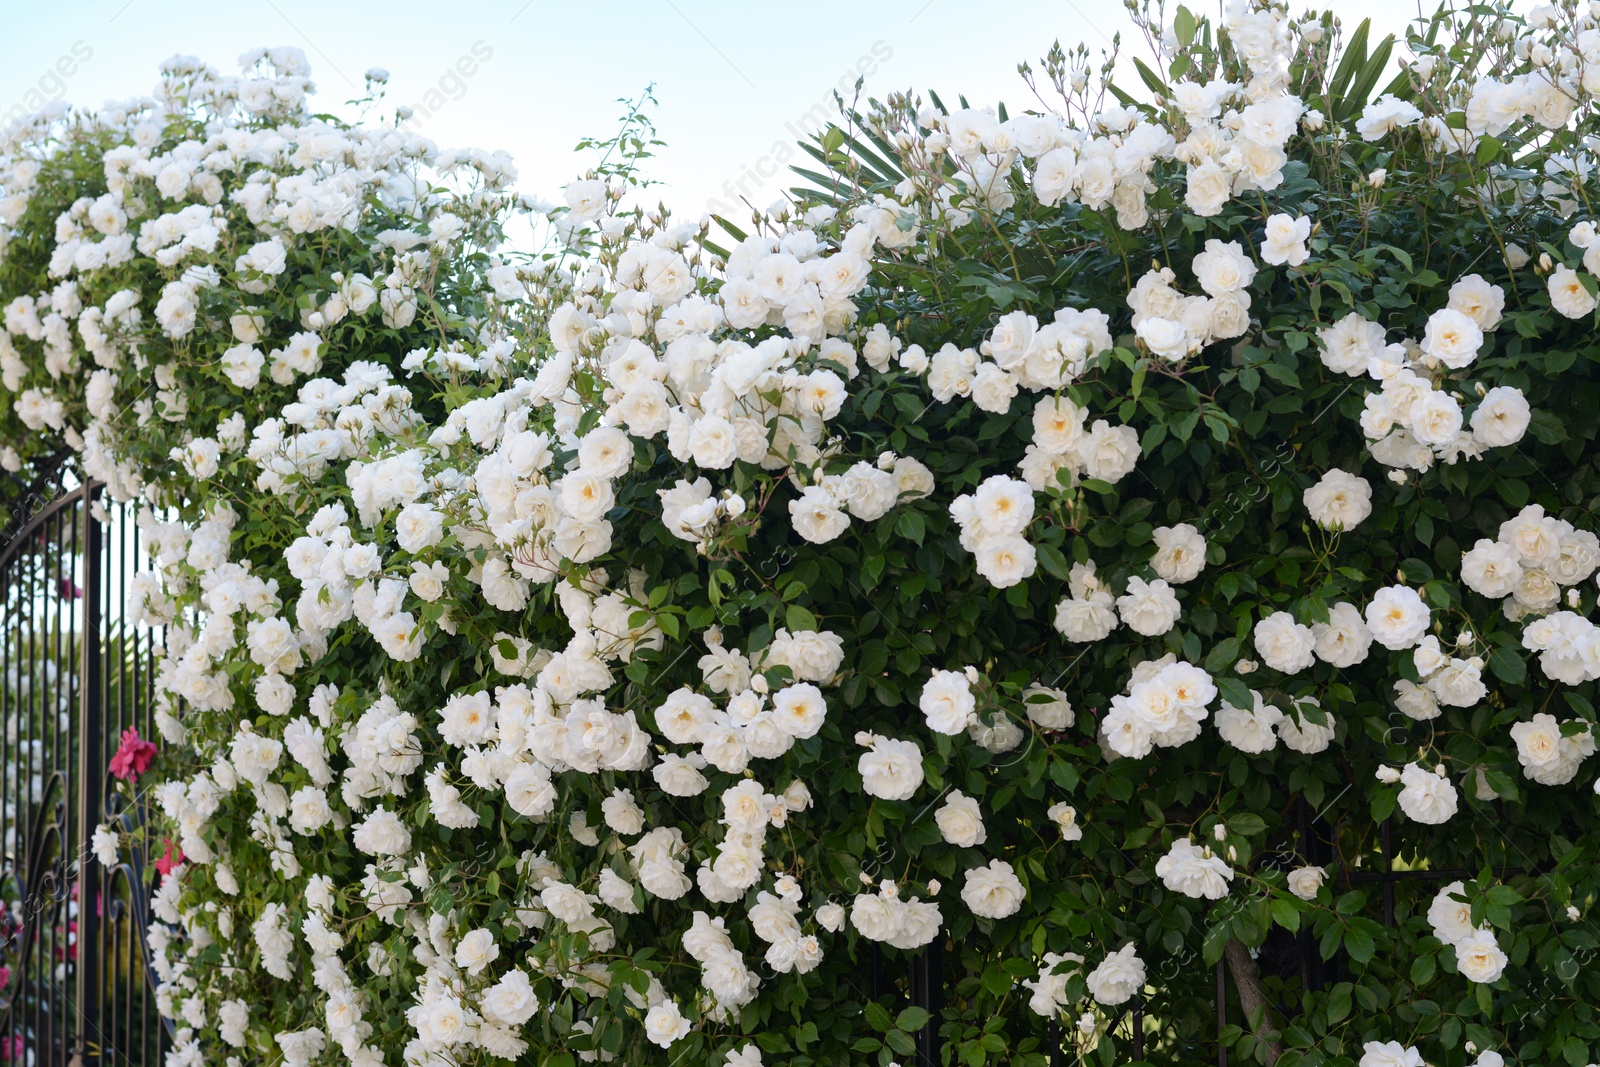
x: 1222, y: 1014
x: 1388, y: 874
x: 91, y: 790
x: 927, y: 992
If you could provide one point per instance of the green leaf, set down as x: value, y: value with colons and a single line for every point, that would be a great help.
x: 878, y: 1017
x: 1223, y: 655
x: 1383, y: 804
x: 1053, y: 562
x: 1508, y: 666
x: 901, y: 1042
x: 1359, y: 944
x: 1285, y: 913
x: 1236, y: 693
x: 1184, y: 25
x: 1338, y: 1002
x: 910, y: 525
x: 1151, y: 79
x: 912, y: 1019
x: 1355, y: 54
x: 798, y: 618
x: 1356, y: 98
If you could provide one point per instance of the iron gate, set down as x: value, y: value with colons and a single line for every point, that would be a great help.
x: 75, y: 983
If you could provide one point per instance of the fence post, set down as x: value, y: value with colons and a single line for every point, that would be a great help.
x: 927, y: 992
x: 1222, y: 1013
x: 91, y: 791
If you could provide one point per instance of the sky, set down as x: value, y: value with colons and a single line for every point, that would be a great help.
x: 732, y: 79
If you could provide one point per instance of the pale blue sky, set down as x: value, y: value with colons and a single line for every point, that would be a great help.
x: 729, y: 76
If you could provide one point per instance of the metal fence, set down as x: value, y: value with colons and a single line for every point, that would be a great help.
x: 75, y: 985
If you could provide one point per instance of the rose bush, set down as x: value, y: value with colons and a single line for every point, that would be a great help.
x: 1091, y: 543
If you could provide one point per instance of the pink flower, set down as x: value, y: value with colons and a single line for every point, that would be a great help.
x: 167, y: 862
x: 133, y: 756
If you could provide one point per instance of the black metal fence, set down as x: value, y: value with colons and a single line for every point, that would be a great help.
x: 75, y: 984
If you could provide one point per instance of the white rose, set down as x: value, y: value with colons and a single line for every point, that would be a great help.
x: 1250, y: 729
x: 1180, y: 552
x: 799, y: 710
x: 816, y: 516
x: 1501, y: 418
x: 1119, y: 976
x: 1148, y: 608
x: 1194, y: 871
x: 1339, y: 501
x: 960, y: 821
x: 1390, y: 1054
x: 876, y: 917
x: 1086, y: 619
x: 1207, y: 189
x: 1491, y: 568
x: 1397, y: 617
x: 1344, y: 639
x: 1285, y: 240
x: 664, y: 1023
x: 1108, y: 452
x: 1349, y: 344
x: 1451, y: 338
x: 621, y: 813
x: 1435, y: 419
x: 1305, y: 881
x: 1478, y: 300
x: 1005, y: 561
x: 1047, y: 708
x: 1223, y: 268
x: 1165, y: 337
x: 382, y: 834
x: 890, y: 769
x: 1418, y: 703
x: 1480, y: 958
x: 947, y: 702
x: 1302, y: 735
x: 476, y: 951
x: 1426, y: 797
x: 510, y: 1001
x: 1066, y: 817
x: 1538, y: 740
x: 1568, y: 295
x: 1451, y: 919
x: 664, y: 878
x: 1284, y: 644
x: 993, y: 891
